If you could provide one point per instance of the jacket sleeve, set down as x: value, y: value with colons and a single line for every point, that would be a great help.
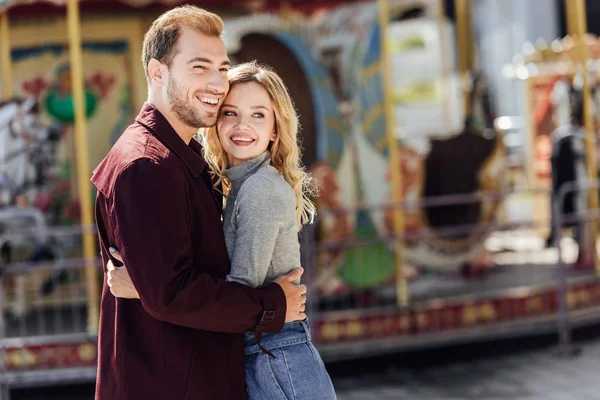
x: 153, y: 233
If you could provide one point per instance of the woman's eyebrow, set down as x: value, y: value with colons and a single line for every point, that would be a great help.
x: 253, y: 107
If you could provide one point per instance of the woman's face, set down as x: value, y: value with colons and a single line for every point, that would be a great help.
x: 246, y: 124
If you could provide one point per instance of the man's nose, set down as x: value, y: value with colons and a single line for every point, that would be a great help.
x: 218, y: 83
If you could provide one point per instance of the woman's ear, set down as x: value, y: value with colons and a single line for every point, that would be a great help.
x: 273, y: 136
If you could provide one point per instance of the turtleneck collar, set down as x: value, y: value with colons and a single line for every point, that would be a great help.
x: 238, y: 174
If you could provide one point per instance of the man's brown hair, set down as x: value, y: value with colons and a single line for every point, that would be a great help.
x: 161, y: 39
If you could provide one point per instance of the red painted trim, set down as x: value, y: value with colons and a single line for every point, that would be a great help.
x: 29, y: 9
x: 418, y: 320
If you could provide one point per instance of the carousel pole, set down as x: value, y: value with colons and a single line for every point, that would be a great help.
x: 6, y: 70
x: 5, y: 58
x: 285, y: 10
x: 570, y: 17
x: 83, y: 182
x: 440, y: 16
x: 466, y: 53
x: 402, y: 290
x: 577, y: 27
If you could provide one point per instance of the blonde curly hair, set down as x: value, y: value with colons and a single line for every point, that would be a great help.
x: 285, y: 149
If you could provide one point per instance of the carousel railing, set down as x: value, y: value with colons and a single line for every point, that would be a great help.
x: 501, y: 235
x: 516, y: 282
x: 585, y: 220
x: 45, y: 297
x: 352, y: 279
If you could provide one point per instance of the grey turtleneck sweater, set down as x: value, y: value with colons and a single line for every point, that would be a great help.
x: 260, y: 223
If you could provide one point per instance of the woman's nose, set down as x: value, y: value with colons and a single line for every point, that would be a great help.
x: 242, y: 123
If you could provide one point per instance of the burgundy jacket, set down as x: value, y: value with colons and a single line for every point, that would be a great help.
x: 184, y: 339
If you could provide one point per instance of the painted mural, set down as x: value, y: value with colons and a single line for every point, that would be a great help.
x: 42, y: 74
x: 332, y: 66
x: 339, y: 54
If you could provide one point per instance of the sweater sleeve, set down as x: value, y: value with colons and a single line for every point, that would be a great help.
x: 258, y: 217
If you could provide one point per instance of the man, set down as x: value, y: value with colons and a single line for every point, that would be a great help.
x: 568, y: 167
x: 156, y: 205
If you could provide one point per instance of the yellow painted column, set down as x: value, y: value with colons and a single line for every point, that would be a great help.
x: 402, y: 290
x: 285, y: 10
x: 577, y: 28
x: 83, y: 178
x: 139, y: 85
x: 441, y: 8
x: 570, y: 16
x: 5, y: 57
x: 466, y: 50
x: 531, y: 176
x: 446, y: 87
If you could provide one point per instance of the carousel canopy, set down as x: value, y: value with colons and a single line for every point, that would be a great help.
x: 41, y: 7
x: 556, y: 60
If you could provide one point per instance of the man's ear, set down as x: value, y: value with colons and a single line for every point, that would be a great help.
x: 156, y: 71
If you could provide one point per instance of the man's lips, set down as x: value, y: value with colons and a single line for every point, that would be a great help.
x: 209, y: 102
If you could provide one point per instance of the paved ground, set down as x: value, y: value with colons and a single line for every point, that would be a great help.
x: 525, y: 369
x: 540, y: 374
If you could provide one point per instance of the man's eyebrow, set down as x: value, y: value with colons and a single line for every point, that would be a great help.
x: 207, y: 61
x: 199, y: 59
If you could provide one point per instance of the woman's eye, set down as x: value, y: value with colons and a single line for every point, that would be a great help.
x: 228, y: 113
x: 259, y: 115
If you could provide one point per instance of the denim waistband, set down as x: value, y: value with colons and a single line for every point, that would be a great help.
x: 292, y: 333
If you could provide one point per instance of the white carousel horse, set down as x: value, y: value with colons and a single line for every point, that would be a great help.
x: 26, y: 152
x: 22, y: 139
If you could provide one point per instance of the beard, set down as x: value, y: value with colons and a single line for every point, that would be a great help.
x: 186, y: 112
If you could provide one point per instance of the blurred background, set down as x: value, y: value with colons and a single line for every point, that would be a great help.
x: 454, y: 142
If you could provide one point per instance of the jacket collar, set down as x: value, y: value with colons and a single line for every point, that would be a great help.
x: 191, y: 155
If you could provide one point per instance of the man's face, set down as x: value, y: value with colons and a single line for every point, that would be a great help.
x: 197, y: 82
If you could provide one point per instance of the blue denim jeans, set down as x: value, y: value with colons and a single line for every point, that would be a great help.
x: 297, y: 372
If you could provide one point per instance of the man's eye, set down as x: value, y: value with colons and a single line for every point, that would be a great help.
x: 199, y: 67
x: 225, y: 70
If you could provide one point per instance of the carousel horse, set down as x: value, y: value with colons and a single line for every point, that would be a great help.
x: 333, y: 225
x: 26, y: 149
x: 27, y: 153
x: 468, y: 163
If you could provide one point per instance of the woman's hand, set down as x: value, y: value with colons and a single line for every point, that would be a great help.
x: 119, y: 280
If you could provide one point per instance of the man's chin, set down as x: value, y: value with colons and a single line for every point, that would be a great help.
x: 198, y: 123
x: 210, y: 121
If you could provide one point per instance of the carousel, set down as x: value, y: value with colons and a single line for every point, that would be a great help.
x: 415, y: 244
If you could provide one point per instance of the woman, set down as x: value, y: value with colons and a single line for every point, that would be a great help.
x: 254, y: 155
